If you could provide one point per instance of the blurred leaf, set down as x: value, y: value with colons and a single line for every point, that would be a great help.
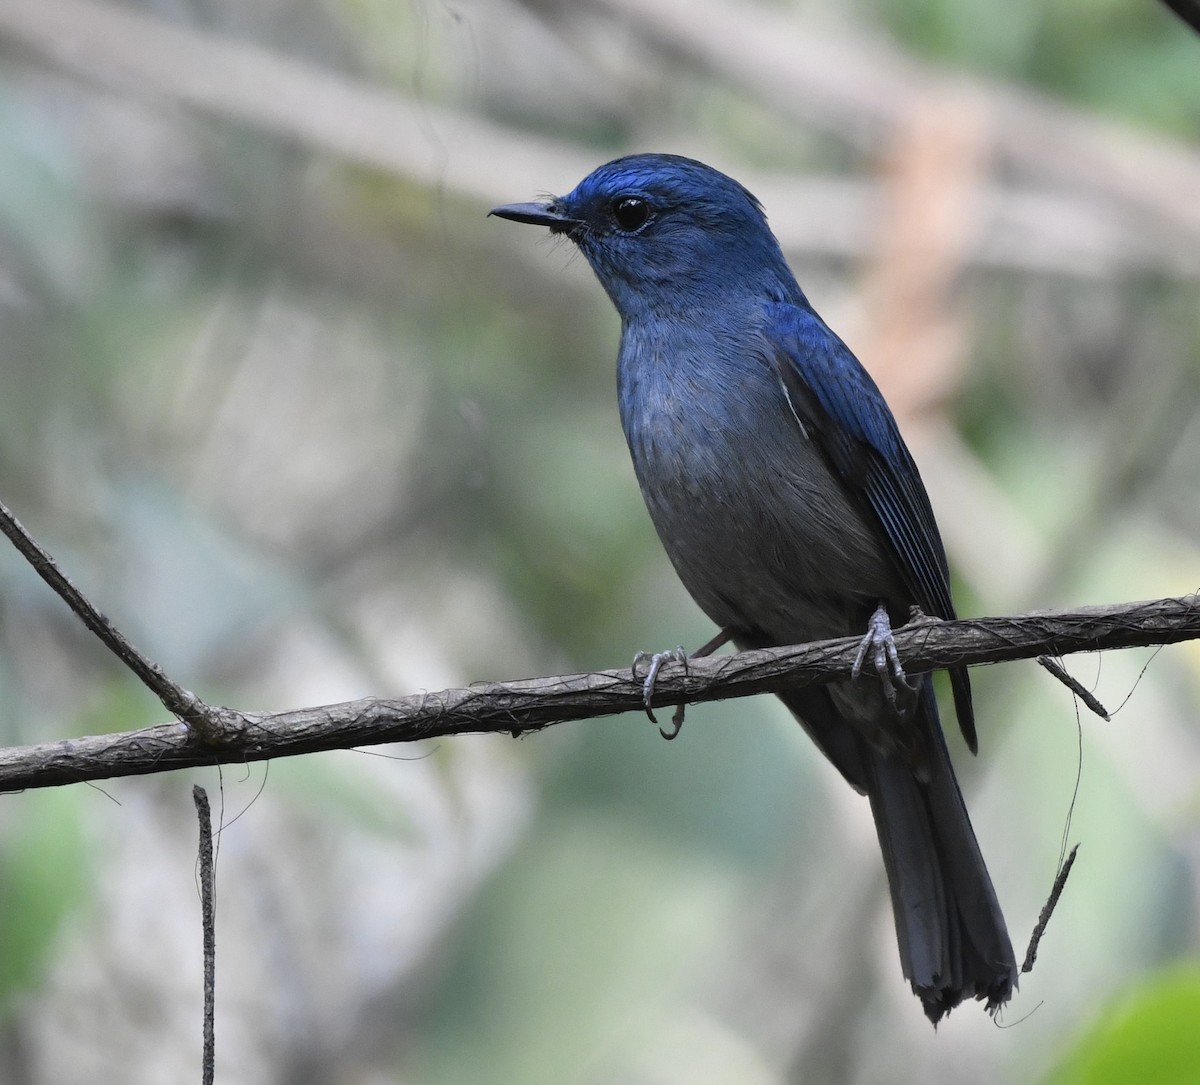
x: 42, y: 879
x: 585, y: 935
x: 1151, y: 1038
x: 1130, y: 59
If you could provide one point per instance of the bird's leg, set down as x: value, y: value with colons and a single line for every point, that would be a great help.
x: 881, y: 645
x: 675, y: 655
x: 723, y: 637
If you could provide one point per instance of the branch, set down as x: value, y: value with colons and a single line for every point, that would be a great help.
x: 176, y: 700
x: 232, y: 737
x: 208, y: 925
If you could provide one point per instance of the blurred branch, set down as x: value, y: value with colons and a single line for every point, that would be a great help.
x: 913, y: 330
x: 233, y: 737
x: 1079, y: 231
x: 244, y: 82
x: 857, y: 89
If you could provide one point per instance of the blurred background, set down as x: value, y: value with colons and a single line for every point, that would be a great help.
x: 309, y: 427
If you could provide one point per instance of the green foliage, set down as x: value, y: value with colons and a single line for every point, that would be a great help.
x: 43, y: 868
x: 1149, y: 1037
x: 561, y: 963
x: 1130, y: 58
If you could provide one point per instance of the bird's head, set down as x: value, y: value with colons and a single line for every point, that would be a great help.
x: 664, y: 233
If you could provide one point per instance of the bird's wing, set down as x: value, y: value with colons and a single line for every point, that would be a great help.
x: 841, y: 409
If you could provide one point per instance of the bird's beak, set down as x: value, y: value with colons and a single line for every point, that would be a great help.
x: 539, y: 214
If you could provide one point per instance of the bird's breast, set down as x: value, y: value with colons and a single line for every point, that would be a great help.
x: 759, y: 529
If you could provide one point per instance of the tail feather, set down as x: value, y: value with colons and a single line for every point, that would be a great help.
x: 951, y: 933
x: 952, y: 936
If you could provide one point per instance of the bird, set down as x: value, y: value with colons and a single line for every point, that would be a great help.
x: 791, y: 509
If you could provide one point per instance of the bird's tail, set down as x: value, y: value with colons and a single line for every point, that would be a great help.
x: 951, y: 933
x: 953, y: 941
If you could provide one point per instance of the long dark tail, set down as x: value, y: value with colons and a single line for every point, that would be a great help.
x: 953, y: 941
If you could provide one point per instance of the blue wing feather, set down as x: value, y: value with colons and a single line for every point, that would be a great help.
x: 847, y: 415
x: 842, y: 409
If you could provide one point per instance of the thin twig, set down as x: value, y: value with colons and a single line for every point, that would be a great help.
x: 208, y: 918
x: 1047, y: 911
x: 177, y: 700
x: 1073, y: 684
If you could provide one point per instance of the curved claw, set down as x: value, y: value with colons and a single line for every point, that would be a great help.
x: 656, y: 661
x: 676, y: 721
x: 879, y: 643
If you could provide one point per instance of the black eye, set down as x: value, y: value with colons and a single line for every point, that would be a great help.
x: 630, y: 212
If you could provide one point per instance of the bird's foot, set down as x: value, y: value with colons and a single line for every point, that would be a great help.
x: 656, y: 661
x: 880, y: 646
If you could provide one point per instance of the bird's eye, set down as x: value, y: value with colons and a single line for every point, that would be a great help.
x: 630, y: 212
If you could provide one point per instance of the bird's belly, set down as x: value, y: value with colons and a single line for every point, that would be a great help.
x: 761, y: 533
